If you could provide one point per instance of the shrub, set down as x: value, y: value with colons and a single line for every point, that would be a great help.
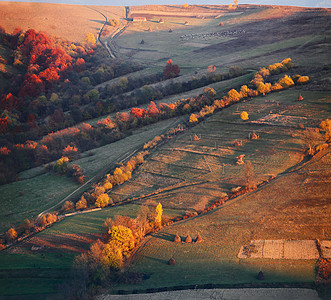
x: 51, y: 218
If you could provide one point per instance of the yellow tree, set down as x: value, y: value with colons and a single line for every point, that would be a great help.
x: 11, y: 234
x: 102, y: 200
x: 122, y: 237
x: 112, y: 255
x: 244, y: 116
x: 81, y: 204
x: 193, y: 118
x: 234, y: 96
x: 158, y: 217
x: 90, y: 38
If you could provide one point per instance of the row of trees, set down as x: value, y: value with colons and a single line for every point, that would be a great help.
x: 97, y: 196
x: 257, y: 86
x: 85, y: 136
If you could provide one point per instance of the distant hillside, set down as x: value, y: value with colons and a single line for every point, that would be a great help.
x: 71, y: 22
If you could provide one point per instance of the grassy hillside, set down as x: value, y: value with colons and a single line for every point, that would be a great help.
x: 38, y: 190
x: 70, y: 22
x: 287, y: 208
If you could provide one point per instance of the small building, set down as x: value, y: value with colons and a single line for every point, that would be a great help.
x: 139, y: 19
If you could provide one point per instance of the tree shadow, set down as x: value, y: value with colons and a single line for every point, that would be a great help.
x: 162, y: 261
x: 97, y: 21
x: 164, y: 236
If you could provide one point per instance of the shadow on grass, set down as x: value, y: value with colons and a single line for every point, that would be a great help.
x: 162, y: 261
x: 164, y: 236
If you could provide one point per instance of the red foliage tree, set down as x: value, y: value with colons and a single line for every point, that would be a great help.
x: 32, y: 86
x: 138, y: 112
x: 152, y: 110
x: 80, y: 65
x: 9, y: 102
x: 170, y: 70
x: 3, y: 125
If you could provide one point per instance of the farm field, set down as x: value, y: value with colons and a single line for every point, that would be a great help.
x: 38, y: 191
x: 285, y: 208
x: 191, y: 174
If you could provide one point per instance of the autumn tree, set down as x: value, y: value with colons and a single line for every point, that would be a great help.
x: 68, y: 205
x: 193, y: 118
x: 11, y: 235
x: 234, y: 96
x: 81, y: 204
x: 90, y: 39
x: 61, y: 165
x: 102, y: 200
x: 170, y: 70
x: 244, y: 116
x: 122, y: 237
x: 158, y: 217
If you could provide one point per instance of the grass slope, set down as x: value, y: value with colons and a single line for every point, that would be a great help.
x: 70, y: 22
x: 38, y: 191
x: 287, y: 208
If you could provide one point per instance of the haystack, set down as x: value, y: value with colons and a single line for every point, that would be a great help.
x: 240, y: 159
x: 171, y: 262
x: 142, y: 42
x: 221, y: 24
x: 186, y: 23
x: 161, y: 21
x: 253, y: 136
x: 170, y: 30
x: 196, y: 138
x: 199, y: 239
x: 149, y: 29
x: 177, y: 239
x: 260, y: 276
x: 300, y: 98
x: 188, y: 239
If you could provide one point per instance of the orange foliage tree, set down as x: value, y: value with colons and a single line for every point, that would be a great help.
x: 170, y: 70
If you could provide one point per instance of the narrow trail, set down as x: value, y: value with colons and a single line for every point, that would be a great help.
x: 111, y: 45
